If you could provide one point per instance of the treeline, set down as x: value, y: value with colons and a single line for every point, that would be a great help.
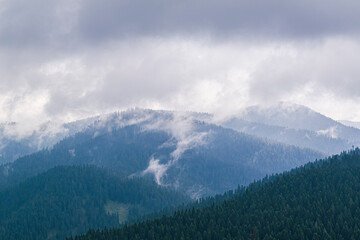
x: 68, y: 200
x: 318, y: 201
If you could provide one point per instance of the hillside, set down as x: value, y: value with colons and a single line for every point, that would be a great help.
x: 68, y: 200
x: 286, y: 123
x: 17, y: 141
x: 176, y: 150
x: 296, y: 125
x: 351, y: 123
x: 297, y: 137
x: 318, y: 201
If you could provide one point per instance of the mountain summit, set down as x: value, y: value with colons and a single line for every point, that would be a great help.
x: 297, y: 125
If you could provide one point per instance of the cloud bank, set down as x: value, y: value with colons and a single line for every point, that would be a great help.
x: 72, y: 59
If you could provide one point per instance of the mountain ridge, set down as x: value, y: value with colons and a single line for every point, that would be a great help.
x: 176, y: 150
x: 13, y: 145
x: 296, y: 125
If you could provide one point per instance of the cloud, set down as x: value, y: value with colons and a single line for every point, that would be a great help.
x: 221, y: 19
x: 72, y: 24
x: 38, y: 24
x: 183, y: 74
x: 328, y: 66
x: 156, y: 168
x: 183, y: 136
x: 312, y: 74
x: 72, y: 59
x: 331, y: 132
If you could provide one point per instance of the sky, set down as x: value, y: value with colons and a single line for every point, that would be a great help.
x: 69, y: 59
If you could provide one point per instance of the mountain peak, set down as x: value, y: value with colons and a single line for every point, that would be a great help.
x: 288, y: 115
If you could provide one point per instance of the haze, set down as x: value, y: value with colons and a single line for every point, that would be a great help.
x: 64, y: 60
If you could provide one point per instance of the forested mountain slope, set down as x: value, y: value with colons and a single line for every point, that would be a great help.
x: 70, y: 199
x: 286, y: 123
x: 17, y: 141
x: 318, y: 201
x: 179, y: 151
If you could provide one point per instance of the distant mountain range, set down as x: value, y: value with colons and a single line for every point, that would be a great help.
x: 181, y: 150
x: 286, y: 123
x: 185, y: 150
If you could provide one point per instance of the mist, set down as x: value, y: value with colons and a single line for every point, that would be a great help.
x: 74, y: 59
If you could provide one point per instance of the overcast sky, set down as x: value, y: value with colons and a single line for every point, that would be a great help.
x: 70, y: 59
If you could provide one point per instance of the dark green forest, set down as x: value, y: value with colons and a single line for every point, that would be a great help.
x: 71, y: 199
x: 318, y: 201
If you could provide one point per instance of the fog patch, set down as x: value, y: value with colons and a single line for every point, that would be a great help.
x: 184, y: 136
x: 331, y: 132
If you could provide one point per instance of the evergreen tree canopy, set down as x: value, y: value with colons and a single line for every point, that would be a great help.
x: 318, y: 201
x: 71, y: 199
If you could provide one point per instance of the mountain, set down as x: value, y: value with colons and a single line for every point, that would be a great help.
x: 296, y: 125
x: 318, y: 201
x: 350, y: 123
x: 289, y: 115
x: 16, y: 142
x: 286, y: 123
x: 70, y: 199
x: 12, y: 148
x: 297, y: 137
x: 180, y: 150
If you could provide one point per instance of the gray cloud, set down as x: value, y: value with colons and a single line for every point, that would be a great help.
x: 35, y: 23
x: 68, y: 24
x: 327, y: 67
x: 220, y: 19
x: 74, y: 58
